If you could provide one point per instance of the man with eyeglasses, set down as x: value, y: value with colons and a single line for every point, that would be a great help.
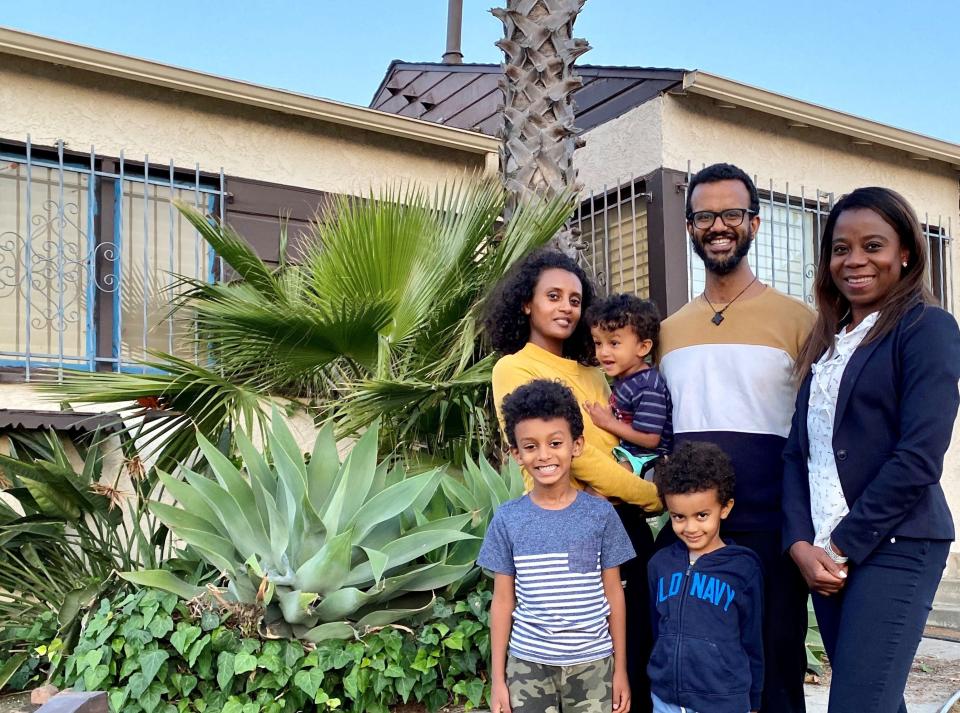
x: 727, y: 357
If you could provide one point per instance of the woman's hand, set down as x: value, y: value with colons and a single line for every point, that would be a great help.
x: 601, y: 415
x: 822, y: 574
x: 499, y: 697
x: 621, y: 692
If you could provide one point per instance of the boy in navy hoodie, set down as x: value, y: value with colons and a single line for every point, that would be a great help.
x: 706, y: 594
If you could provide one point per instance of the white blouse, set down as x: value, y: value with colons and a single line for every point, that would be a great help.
x: 828, y: 506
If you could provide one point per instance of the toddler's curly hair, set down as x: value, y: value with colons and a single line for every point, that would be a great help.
x: 543, y: 399
x: 696, y: 466
x: 618, y: 311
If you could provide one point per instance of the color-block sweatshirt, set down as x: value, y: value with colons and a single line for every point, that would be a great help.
x: 595, y: 466
x: 732, y: 384
x: 707, y: 629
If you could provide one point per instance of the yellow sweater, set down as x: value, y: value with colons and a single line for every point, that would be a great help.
x: 596, y: 467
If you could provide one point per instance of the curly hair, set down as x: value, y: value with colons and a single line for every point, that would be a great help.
x: 543, y: 399
x: 508, y: 328
x: 617, y: 311
x: 696, y: 466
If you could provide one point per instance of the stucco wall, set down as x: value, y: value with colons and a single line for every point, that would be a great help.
x: 84, y: 109
x: 694, y: 129
x: 628, y: 146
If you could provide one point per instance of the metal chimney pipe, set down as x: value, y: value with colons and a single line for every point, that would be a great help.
x: 453, y: 55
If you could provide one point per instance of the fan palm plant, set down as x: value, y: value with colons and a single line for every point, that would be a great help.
x: 376, y: 319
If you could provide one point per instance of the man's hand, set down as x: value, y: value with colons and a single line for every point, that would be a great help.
x: 621, y: 692
x: 601, y: 415
x: 499, y: 697
x: 823, y: 575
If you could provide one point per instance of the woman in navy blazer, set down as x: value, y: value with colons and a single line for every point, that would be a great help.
x: 865, y: 517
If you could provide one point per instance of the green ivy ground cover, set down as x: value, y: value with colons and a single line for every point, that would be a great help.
x: 151, y: 652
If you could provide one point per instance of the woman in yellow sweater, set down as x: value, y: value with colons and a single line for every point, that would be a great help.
x: 533, y: 320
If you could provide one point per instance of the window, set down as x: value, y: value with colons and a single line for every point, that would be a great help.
x: 45, y: 275
x: 613, y: 227
x: 91, y: 250
x: 157, y: 248
x: 939, y: 264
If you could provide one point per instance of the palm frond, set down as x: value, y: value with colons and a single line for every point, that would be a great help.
x: 274, y: 344
x: 379, y: 316
x: 195, y: 399
x: 234, y: 250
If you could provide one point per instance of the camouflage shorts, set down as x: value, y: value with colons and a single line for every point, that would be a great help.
x: 541, y: 688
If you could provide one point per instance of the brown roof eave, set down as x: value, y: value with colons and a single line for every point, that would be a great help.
x: 33, y: 420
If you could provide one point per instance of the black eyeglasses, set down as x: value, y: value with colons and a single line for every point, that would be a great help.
x: 731, y: 217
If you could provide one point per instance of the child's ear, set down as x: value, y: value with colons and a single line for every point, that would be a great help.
x: 515, y: 452
x: 644, y: 347
x: 577, y: 446
x: 725, y: 510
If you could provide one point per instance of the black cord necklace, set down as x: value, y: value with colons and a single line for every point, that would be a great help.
x: 718, y: 313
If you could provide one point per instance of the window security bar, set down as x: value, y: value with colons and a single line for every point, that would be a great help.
x: 91, y: 248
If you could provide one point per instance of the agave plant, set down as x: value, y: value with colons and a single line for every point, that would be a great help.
x: 479, y: 490
x: 375, y: 320
x: 327, y: 548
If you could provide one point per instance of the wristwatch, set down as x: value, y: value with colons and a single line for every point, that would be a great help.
x: 831, y: 553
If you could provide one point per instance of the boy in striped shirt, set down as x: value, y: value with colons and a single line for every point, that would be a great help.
x: 557, y: 622
x: 625, y: 332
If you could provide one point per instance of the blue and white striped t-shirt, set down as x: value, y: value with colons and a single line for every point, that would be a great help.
x: 556, y: 557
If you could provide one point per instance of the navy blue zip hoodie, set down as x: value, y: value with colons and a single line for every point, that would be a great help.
x: 707, y: 619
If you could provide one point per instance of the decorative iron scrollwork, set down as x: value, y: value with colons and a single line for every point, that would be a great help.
x: 55, y: 269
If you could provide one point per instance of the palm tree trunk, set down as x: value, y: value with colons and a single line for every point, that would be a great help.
x: 538, y: 135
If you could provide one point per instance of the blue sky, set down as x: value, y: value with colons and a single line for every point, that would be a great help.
x: 887, y: 60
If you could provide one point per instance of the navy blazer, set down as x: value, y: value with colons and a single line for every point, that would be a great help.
x: 896, y: 407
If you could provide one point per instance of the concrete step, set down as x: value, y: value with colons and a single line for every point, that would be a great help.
x: 949, y: 590
x: 946, y: 616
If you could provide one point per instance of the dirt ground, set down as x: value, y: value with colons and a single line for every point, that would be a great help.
x: 935, y: 678
x: 18, y: 703
x: 932, y: 679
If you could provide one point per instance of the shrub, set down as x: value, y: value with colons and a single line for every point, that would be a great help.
x: 155, y: 653
x: 23, y: 652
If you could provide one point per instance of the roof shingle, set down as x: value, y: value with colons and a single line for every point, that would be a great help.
x: 468, y: 96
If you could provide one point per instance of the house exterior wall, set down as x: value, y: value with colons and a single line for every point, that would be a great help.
x: 629, y: 146
x: 287, y: 154
x: 24, y: 396
x: 85, y: 108
x: 694, y: 129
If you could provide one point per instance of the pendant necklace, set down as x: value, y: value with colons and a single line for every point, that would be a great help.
x: 718, y: 313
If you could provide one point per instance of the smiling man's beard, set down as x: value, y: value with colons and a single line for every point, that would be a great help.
x: 729, y: 265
